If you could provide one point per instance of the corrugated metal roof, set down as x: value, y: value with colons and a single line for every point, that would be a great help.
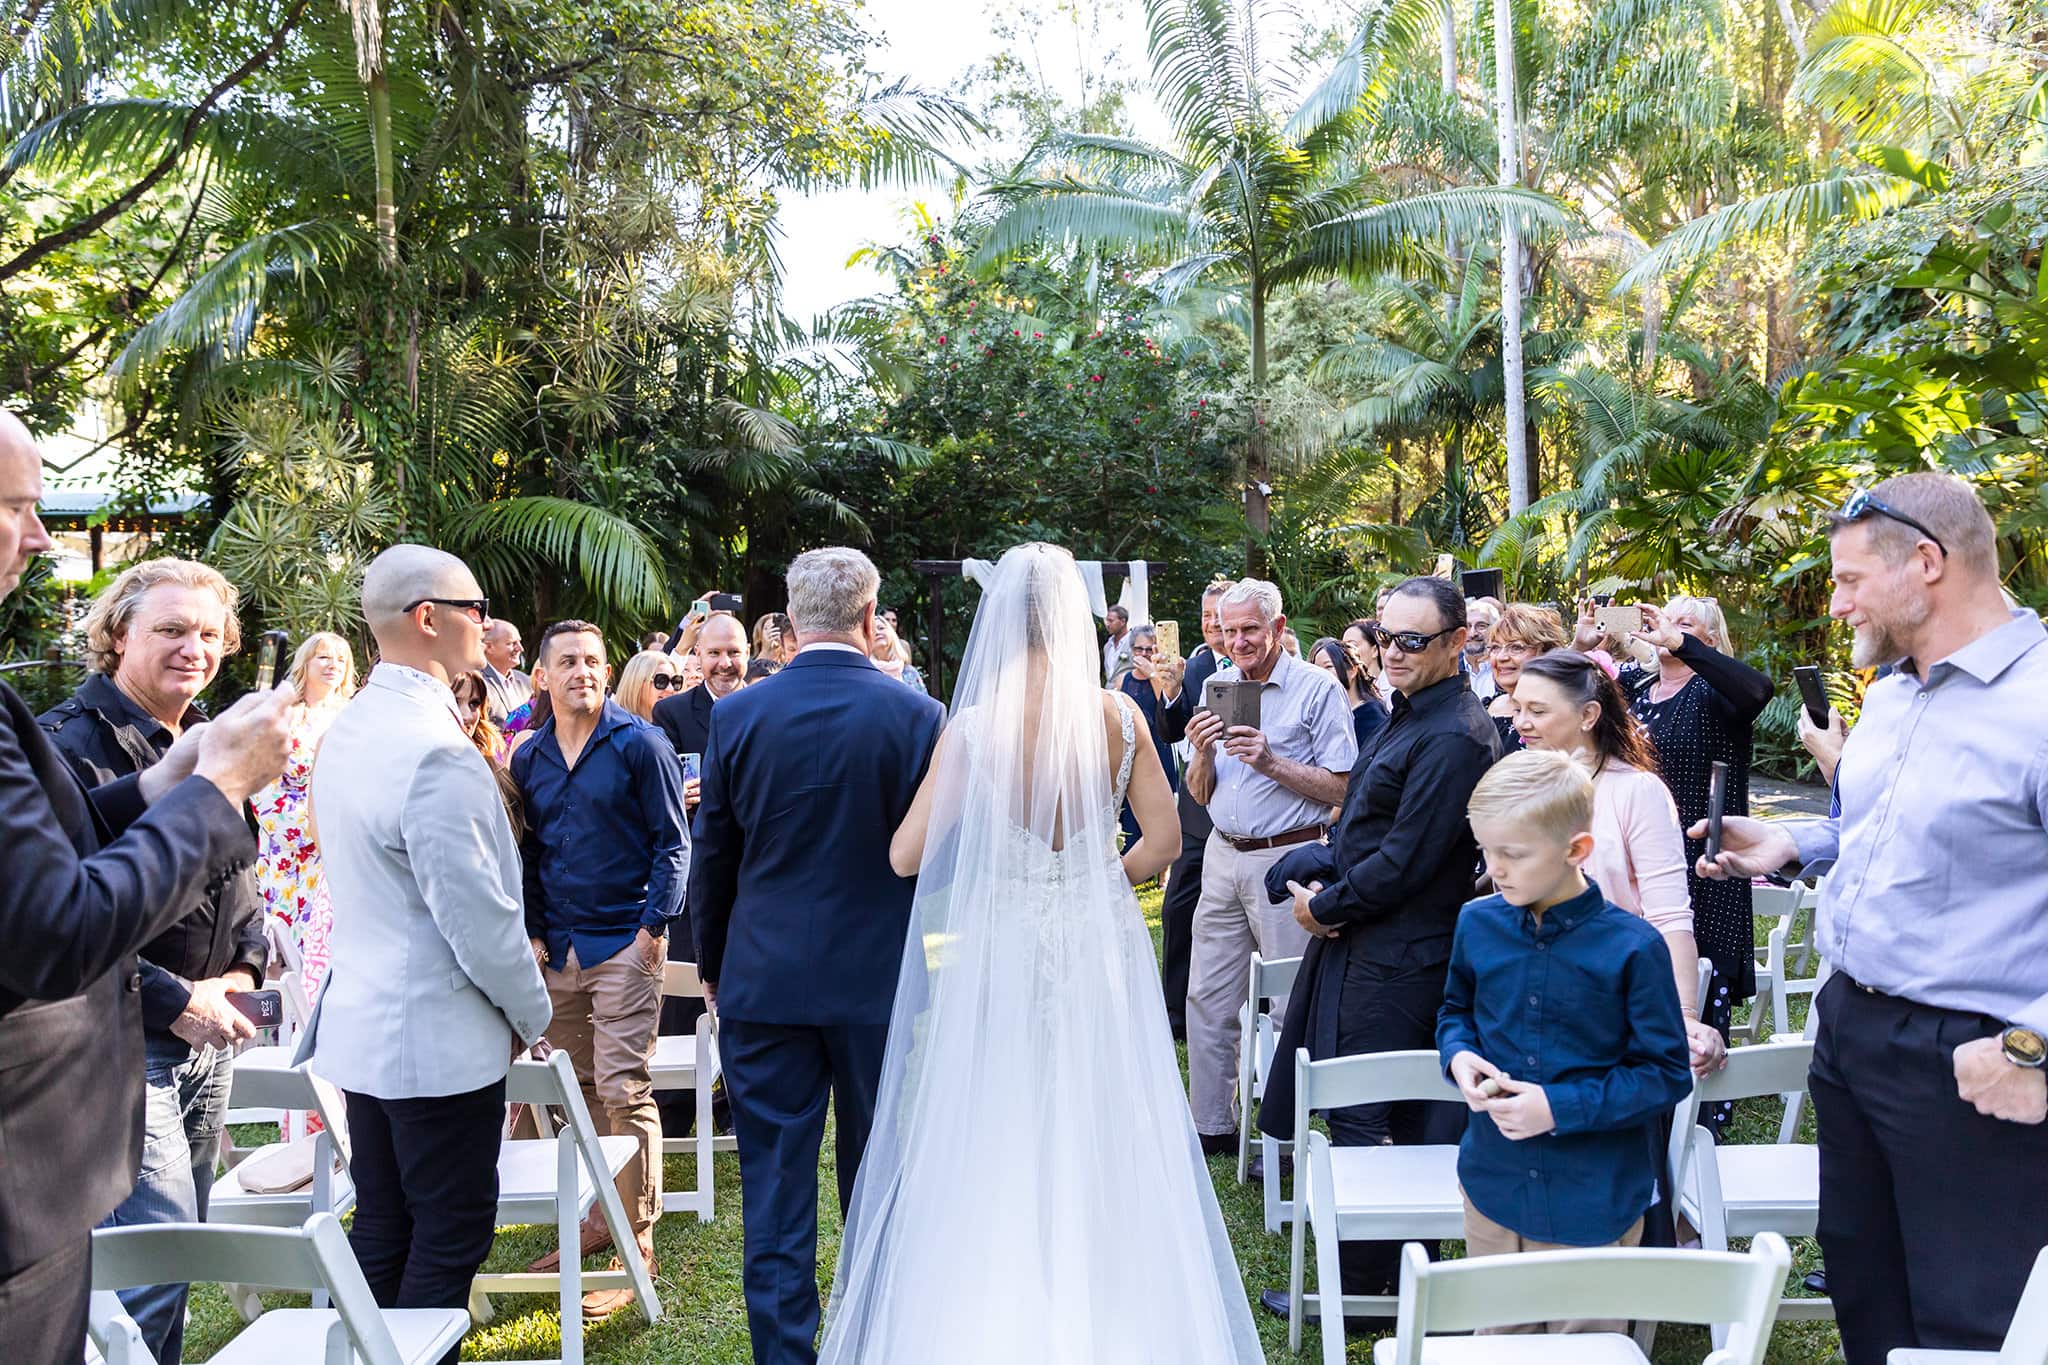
x: 83, y: 502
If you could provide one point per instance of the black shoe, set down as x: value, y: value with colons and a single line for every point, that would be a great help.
x: 1219, y: 1144
x: 1817, y: 1281
x: 1274, y: 1301
x: 1256, y: 1171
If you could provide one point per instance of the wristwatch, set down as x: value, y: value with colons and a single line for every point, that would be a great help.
x: 2024, y: 1047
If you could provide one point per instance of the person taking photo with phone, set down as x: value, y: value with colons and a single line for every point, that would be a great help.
x: 1928, y: 1080
x: 154, y: 641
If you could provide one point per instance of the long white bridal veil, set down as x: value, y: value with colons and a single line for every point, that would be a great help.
x: 1032, y: 1191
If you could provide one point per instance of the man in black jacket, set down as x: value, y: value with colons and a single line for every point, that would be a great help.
x: 1380, y: 934
x: 75, y: 904
x: 155, y: 640
x: 1184, y: 878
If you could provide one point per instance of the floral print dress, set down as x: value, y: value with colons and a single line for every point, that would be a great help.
x: 288, y: 864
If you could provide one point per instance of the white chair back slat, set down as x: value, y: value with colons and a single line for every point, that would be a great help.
x: 1371, y: 1077
x: 1758, y: 1069
x: 681, y: 979
x: 1670, y: 1286
x: 2026, y: 1341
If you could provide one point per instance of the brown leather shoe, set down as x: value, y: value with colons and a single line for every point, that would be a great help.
x: 600, y: 1304
x: 595, y: 1239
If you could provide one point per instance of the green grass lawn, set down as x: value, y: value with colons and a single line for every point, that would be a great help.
x: 704, y: 1317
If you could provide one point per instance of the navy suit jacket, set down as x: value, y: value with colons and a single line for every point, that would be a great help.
x: 798, y: 916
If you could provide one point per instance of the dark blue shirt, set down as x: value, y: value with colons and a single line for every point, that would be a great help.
x: 607, y: 853
x: 1583, y: 1005
x: 1368, y: 718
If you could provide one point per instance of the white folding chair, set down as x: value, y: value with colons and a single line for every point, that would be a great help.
x: 556, y: 1180
x: 690, y: 1063
x: 1364, y: 1193
x: 1747, y: 1189
x: 111, y: 1336
x: 1258, y: 1035
x: 2026, y: 1341
x: 312, y: 1257
x: 1778, y: 906
x: 1738, y: 1292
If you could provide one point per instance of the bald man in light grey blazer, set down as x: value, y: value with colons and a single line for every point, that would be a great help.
x: 431, y: 985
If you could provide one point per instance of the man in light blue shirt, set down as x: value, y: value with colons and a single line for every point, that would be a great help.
x: 1927, y: 1079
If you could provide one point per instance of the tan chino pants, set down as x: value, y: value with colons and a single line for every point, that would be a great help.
x: 605, y: 1019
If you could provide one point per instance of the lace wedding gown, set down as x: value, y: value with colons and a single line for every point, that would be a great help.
x: 1033, y: 1192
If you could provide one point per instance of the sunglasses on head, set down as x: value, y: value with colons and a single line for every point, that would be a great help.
x: 1409, y: 641
x: 1862, y: 504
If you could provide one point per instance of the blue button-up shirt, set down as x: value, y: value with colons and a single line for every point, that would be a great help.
x: 1939, y: 892
x: 607, y: 851
x: 1582, y: 1005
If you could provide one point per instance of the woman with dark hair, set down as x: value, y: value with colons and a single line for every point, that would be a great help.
x: 1361, y: 642
x: 1699, y: 704
x: 472, y: 701
x: 1368, y: 717
x: 1568, y: 703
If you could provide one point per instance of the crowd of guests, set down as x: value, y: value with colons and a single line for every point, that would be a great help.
x: 1479, y: 824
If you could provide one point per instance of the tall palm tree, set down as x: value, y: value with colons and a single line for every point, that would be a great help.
x: 1248, y: 197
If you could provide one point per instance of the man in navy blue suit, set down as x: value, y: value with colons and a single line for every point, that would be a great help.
x: 800, y: 922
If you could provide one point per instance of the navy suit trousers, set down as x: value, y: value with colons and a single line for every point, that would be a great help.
x: 778, y: 1078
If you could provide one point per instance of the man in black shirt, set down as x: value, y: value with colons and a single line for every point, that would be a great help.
x: 1184, y: 878
x: 155, y: 640
x: 1380, y: 944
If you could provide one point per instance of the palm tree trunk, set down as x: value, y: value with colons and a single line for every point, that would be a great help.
x: 1450, y: 47
x: 1510, y: 261
x: 1792, y: 29
x: 1257, y: 468
x: 387, y: 177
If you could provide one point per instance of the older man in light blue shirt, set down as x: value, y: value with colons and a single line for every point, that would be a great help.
x: 1927, y: 1079
x: 1267, y: 790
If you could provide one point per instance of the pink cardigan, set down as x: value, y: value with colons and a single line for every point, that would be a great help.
x: 1638, y: 850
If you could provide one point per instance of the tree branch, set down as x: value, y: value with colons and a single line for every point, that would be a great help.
x: 120, y: 204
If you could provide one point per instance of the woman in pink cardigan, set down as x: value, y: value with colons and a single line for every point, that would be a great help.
x: 1567, y: 702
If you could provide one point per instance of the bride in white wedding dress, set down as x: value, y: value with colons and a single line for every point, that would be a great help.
x: 1033, y: 1192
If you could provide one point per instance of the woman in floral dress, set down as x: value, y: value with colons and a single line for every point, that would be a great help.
x: 323, y: 678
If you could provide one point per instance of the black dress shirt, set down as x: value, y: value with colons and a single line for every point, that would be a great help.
x: 1403, y: 846
x: 104, y: 735
x: 1195, y: 824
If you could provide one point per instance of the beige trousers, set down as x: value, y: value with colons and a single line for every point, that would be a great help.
x: 1484, y: 1237
x: 605, y: 1019
x: 1233, y: 919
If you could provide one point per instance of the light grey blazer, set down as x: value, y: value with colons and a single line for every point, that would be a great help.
x: 430, y: 971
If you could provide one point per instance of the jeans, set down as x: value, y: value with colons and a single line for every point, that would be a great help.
x: 426, y: 1174
x: 185, y: 1097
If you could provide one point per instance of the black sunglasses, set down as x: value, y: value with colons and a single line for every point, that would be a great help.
x: 664, y: 681
x: 1861, y: 505
x: 1410, y: 641
x: 479, y: 607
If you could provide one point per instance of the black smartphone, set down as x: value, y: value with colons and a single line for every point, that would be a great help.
x: 1603, y: 599
x: 1717, y: 805
x: 270, y: 658
x: 1815, y: 696
x: 1480, y: 582
x: 726, y: 601
x: 264, y: 1009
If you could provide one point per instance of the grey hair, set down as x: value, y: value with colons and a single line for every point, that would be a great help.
x: 1118, y: 609
x: 830, y: 589
x: 1216, y: 589
x: 1144, y: 632
x: 1253, y: 592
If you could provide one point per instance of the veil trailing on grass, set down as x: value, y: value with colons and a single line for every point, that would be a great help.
x: 1033, y: 1192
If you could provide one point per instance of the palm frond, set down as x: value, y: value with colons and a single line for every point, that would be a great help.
x: 1852, y: 195
x: 1398, y: 234
x: 613, y: 558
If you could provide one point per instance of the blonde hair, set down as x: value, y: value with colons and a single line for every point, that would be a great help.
x: 1707, y: 611
x: 1523, y: 624
x: 635, y: 691
x: 346, y: 688
x: 114, y: 609
x: 1539, y: 790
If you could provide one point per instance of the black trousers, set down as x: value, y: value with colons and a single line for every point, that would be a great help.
x: 1931, y: 1213
x: 1388, y: 1009
x: 426, y: 1176
x: 778, y: 1078
x: 42, y: 1305
x: 1177, y: 937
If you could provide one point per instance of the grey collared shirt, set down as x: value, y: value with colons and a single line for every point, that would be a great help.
x: 505, y: 693
x: 1305, y: 717
x: 1939, y: 892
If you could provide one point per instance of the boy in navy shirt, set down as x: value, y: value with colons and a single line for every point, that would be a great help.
x: 1559, y: 1026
